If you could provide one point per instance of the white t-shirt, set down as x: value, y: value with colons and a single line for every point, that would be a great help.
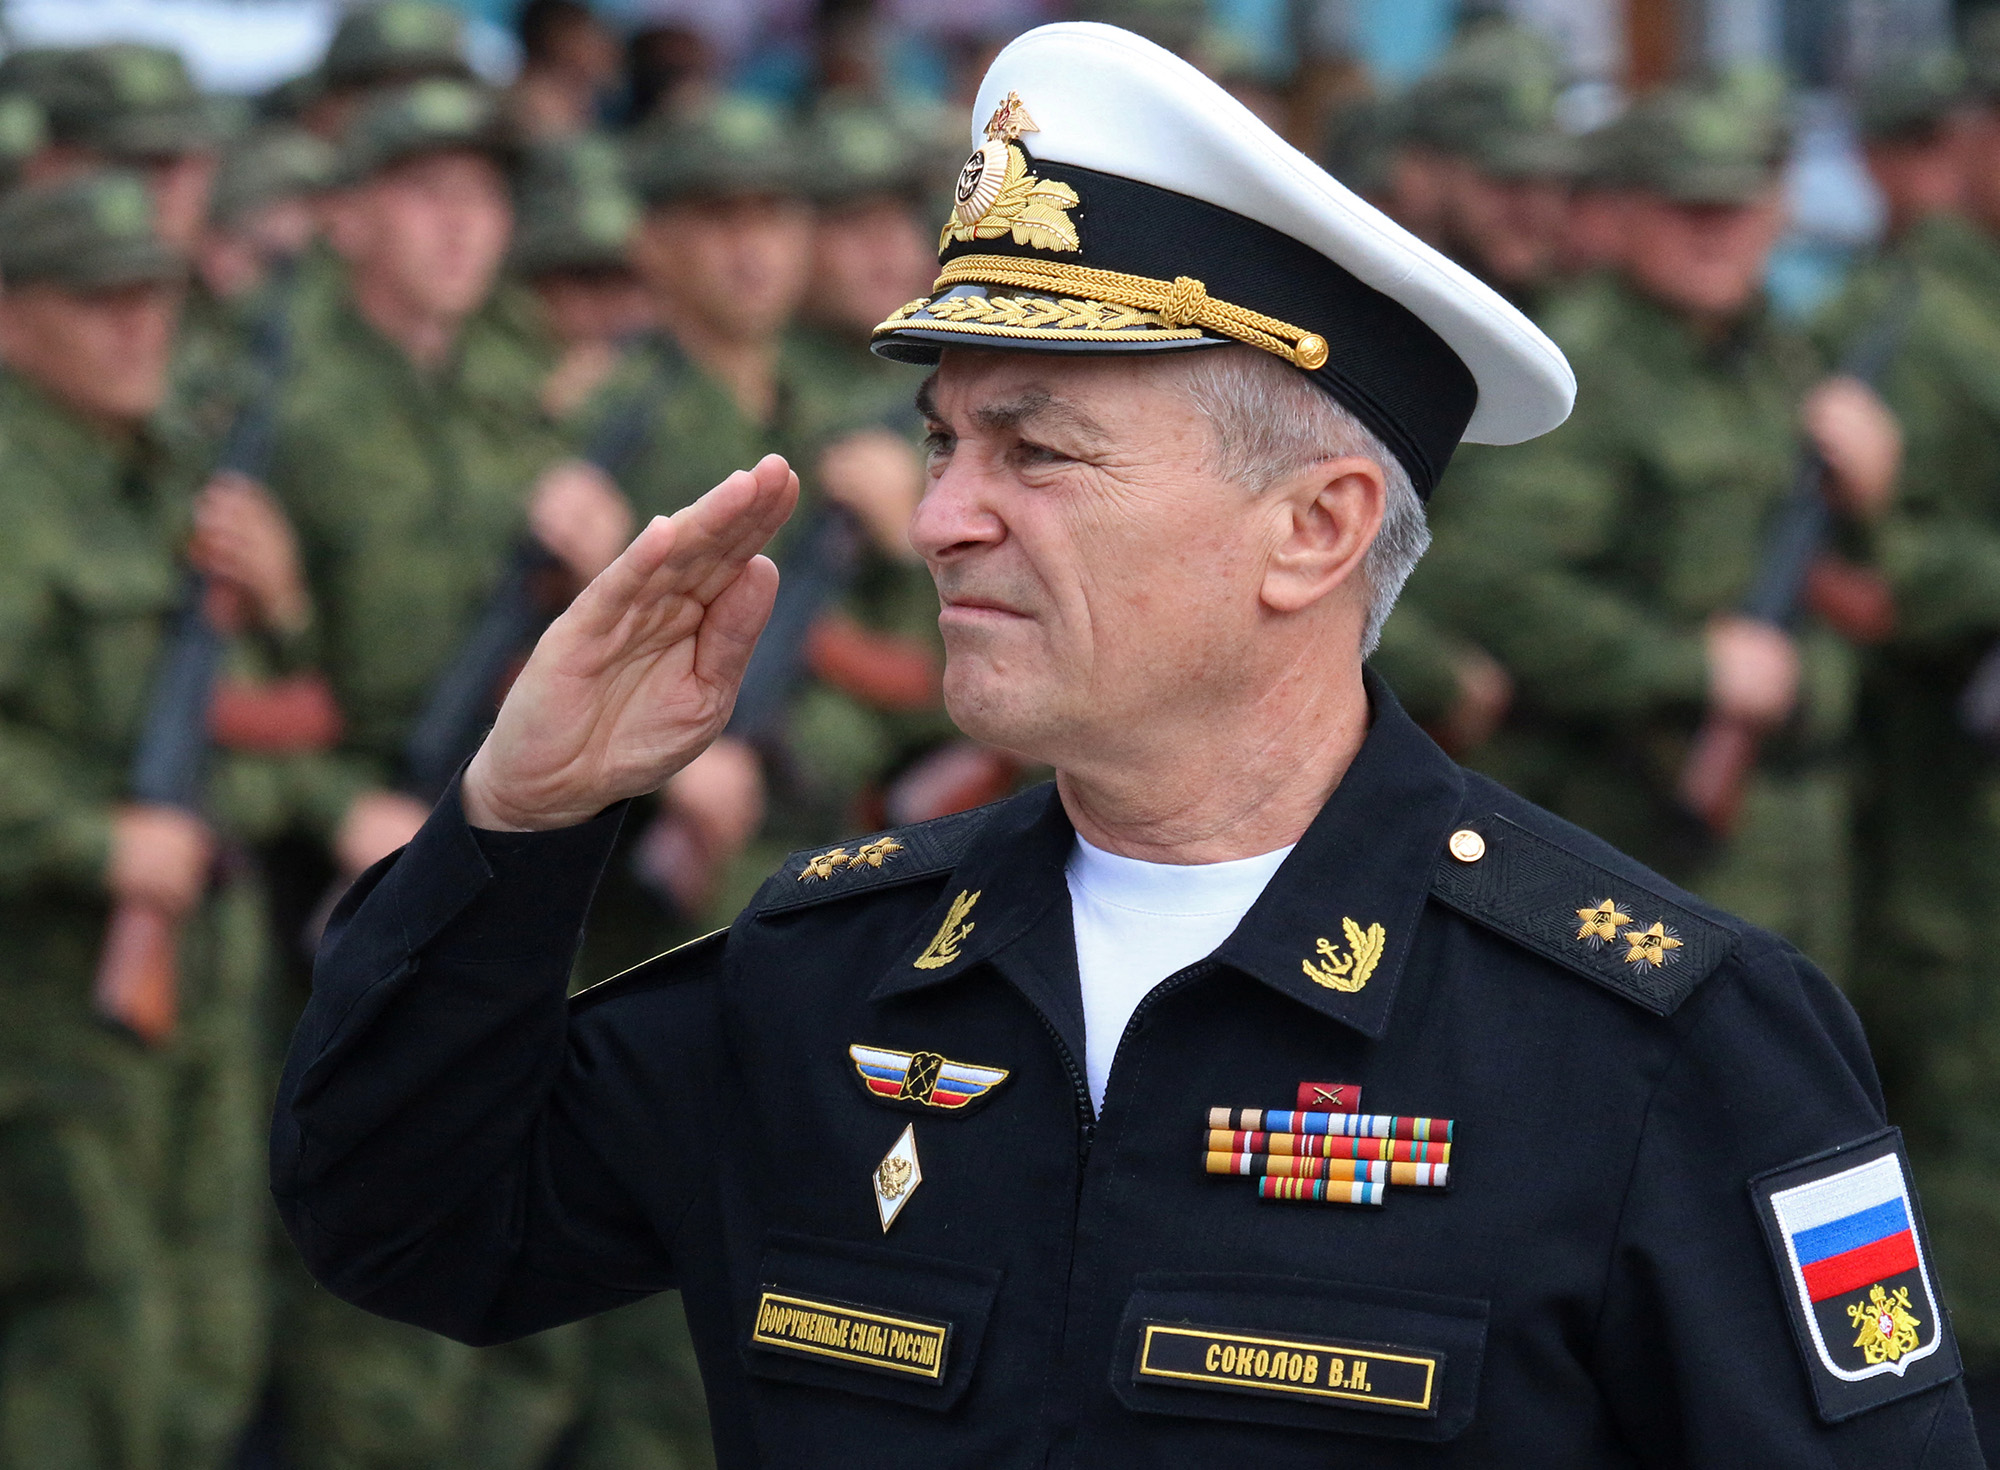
x: 1137, y: 923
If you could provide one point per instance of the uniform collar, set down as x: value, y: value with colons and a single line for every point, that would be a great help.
x: 1332, y: 929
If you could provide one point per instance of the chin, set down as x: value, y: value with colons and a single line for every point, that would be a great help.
x: 995, y: 711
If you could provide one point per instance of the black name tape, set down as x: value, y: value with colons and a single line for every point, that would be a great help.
x: 1393, y: 1379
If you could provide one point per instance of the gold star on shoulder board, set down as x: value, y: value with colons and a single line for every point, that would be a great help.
x: 826, y: 864
x: 1652, y: 947
x: 1601, y: 924
x: 874, y: 854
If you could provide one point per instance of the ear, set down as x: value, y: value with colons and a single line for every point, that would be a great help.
x: 1329, y: 514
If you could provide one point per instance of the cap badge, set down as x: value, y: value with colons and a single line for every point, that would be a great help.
x: 996, y: 195
x: 943, y: 948
x: 1348, y: 972
x: 896, y: 1178
x: 1010, y: 119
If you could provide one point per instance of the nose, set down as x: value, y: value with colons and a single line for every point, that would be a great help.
x: 956, y: 515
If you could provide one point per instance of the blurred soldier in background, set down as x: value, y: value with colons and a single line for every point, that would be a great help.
x: 1604, y: 565
x: 878, y: 185
x: 723, y: 249
x: 408, y: 437
x: 377, y: 46
x: 131, y: 106
x: 1594, y: 215
x: 262, y: 217
x: 575, y: 222
x: 569, y: 61
x: 133, y: 1286
x: 1489, y: 111
x: 1930, y: 839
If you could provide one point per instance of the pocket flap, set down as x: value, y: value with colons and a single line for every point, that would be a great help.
x: 1300, y: 1352
x: 867, y: 1319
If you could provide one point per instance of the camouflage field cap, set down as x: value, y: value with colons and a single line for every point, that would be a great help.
x: 574, y: 207
x: 1606, y: 154
x: 1980, y: 46
x: 854, y: 149
x: 93, y: 233
x: 1359, y: 147
x: 737, y: 146
x: 128, y: 101
x: 1720, y: 144
x: 1910, y: 95
x: 1497, y: 74
x: 396, y: 41
x: 267, y: 165
x: 431, y: 116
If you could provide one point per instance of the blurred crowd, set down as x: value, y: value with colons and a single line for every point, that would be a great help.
x: 315, y: 411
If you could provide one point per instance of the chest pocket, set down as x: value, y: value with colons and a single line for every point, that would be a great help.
x: 115, y: 608
x: 1301, y: 1353
x: 887, y: 1324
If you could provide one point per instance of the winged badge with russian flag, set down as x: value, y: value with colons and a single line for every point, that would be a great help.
x: 923, y: 1079
x: 1849, y: 1241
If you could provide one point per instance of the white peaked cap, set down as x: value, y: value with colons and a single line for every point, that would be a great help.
x: 1103, y: 100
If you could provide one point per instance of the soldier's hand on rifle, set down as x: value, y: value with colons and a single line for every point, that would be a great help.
x: 160, y: 858
x: 880, y: 477
x: 1753, y: 672
x: 578, y: 513
x: 376, y: 824
x: 243, y: 538
x: 1860, y: 441
x: 639, y: 675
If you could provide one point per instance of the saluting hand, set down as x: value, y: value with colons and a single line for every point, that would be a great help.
x: 640, y: 674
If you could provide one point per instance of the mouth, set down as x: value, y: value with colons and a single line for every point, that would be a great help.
x: 968, y: 610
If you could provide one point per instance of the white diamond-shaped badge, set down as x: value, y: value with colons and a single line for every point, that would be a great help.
x: 897, y: 1177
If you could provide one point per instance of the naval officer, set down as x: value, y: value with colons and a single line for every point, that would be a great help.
x: 1267, y: 1090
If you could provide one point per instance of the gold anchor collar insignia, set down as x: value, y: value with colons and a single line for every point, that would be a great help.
x: 943, y: 948
x: 1348, y: 972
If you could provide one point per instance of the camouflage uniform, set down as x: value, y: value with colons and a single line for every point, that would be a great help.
x: 409, y: 492
x: 1590, y: 561
x: 132, y: 1287
x: 1929, y: 856
x: 215, y: 368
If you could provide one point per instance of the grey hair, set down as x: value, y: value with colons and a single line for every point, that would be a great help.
x: 1268, y: 421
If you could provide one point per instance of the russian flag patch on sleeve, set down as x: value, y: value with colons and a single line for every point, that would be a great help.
x: 1855, y: 1271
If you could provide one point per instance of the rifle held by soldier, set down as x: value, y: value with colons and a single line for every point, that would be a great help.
x: 1724, y: 750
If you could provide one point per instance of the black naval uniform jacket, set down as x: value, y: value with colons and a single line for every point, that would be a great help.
x: 458, y: 1146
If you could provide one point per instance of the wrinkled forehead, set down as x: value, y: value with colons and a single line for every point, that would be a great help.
x: 1106, y: 398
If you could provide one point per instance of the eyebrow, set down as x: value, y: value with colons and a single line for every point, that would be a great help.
x: 1031, y: 404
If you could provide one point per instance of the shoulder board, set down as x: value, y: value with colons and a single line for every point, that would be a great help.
x: 1609, y: 927
x: 866, y: 864
x: 683, y: 962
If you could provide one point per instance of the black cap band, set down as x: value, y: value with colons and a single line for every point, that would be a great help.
x: 1383, y: 363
